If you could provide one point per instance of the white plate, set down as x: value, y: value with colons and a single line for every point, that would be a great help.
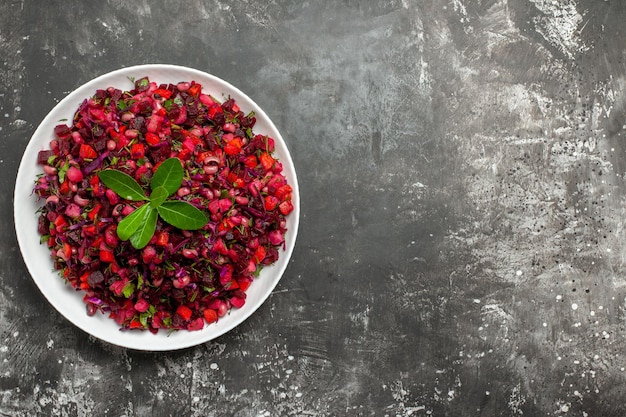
x: 37, y: 256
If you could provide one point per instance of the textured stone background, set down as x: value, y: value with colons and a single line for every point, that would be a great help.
x: 461, y: 167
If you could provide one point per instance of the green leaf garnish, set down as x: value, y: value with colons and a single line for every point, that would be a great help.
x: 158, y: 196
x: 181, y: 214
x: 146, y: 229
x: 123, y: 184
x: 62, y: 171
x: 128, y: 289
x: 169, y: 175
x: 139, y: 226
x: 131, y: 223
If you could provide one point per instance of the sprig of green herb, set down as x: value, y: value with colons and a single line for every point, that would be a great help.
x: 140, y: 225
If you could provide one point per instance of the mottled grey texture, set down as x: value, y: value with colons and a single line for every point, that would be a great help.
x: 461, y: 167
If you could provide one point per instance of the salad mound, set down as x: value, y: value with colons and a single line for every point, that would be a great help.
x: 177, y: 274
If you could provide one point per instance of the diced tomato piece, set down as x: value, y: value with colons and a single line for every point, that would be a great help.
x: 87, y: 152
x: 184, y: 154
x: 84, y: 277
x: 67, y: 250
x: 285, y: 207
x: 250, y: 161
x: 210, y: 315
x: 94, y: 212
x: 163, y: 93
x: 107, y: 255
x: 136, y: 324
x: 225, y: 225
x: 214, y: 110
x: 184, y: 311
x: 220, y: 247
x: 270, y: 202
x: 234, y: 146
x: 64, y: 188
x: 267, y: 161
x: 60, y: 221
x: 201, y: 156
x: 90, y: 230
x: 94, y: 182
x: 113, y: 134
x: 97, y: 241
x: 244, y: 284
x: 232, y: 177
x: 122, y: 141
x: 259, y: 254
x: 115, y: 267
x: 195, y: 90
x: 283, y: 192
x: 163, y: 239
x: 152, y: 139
x: 137, y: 151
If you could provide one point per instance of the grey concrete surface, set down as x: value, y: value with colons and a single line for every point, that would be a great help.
x: 461, y: 165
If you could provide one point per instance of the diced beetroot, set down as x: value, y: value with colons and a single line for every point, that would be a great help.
x: 195, y: 325
x: 276, y: 237
x: 62, y: 132
x: 43, y: 156
x: 237, y: 302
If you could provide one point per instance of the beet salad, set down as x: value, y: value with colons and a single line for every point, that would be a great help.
x: 161, y: 204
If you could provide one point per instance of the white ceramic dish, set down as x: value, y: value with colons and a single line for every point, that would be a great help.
x: 37, y: 257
